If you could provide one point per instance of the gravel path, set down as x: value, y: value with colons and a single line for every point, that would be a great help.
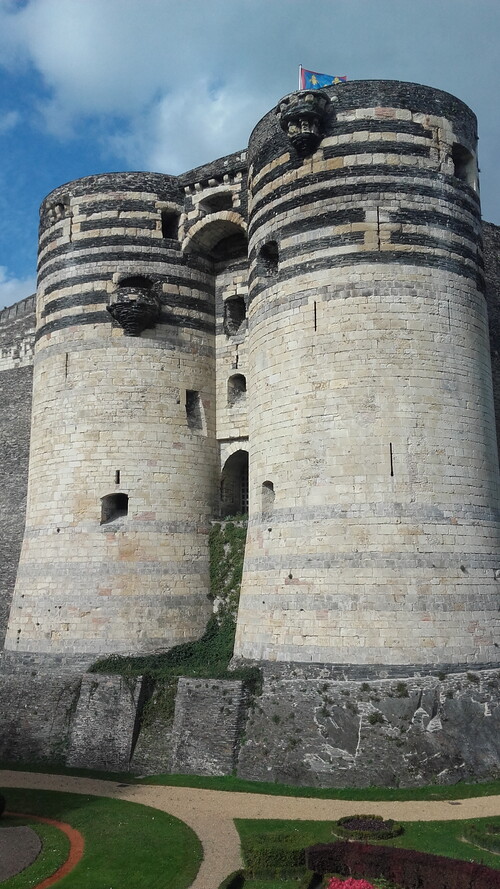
x: 210, y: 813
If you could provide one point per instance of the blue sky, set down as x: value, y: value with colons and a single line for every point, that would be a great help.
x: 89, y: 86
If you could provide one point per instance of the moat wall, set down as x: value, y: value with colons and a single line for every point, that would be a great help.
x: 305, y: 728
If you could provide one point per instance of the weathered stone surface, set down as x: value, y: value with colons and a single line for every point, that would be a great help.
x: 17, y: 325
x: 36, y: 708
x: 106, y: 722
x: 209, y: 717
x: 154, y: 748
x: 389, y: 732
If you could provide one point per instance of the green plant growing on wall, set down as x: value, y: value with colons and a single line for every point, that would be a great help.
x: 209, y: 656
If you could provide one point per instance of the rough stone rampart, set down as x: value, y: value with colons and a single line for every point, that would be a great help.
x: 106, y: 723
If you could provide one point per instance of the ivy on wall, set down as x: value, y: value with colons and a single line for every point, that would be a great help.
x: 208, y: 657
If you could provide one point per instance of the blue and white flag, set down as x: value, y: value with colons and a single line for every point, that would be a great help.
x: 312, y: 80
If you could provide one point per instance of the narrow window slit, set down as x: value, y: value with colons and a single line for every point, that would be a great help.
x: 268, y: 495
x: 117, y: 476
x: 194, y: 411
x: 391, y: 458
x: 268, y: 259
x: 464, y: 165
x: 315, y: 316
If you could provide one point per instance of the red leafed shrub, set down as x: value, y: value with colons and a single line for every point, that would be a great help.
x: 411, y: 869
x: 350, y: 883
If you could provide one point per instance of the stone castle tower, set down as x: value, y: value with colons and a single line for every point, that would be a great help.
x: 373, y: 533
x: 328, y: 319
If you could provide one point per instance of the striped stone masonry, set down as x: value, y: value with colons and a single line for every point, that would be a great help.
x: 373, y: 534
x: 314, y: 304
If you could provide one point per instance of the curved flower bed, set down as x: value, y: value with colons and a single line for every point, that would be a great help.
x: 367, y: 827
x: 405, y: 867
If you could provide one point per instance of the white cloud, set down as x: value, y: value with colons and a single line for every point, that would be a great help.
x: 212, y: 123
x: 8, y: 120
x: 127, y: 59
x: 176, y: 83
x: 14, y: 289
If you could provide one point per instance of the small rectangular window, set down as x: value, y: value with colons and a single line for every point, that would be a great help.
x: 170, y: 224
x: 113, y: 506
x: 194, y: 410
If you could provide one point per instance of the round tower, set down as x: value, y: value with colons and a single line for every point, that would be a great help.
x: 122, y: 476
x: 374, y: 526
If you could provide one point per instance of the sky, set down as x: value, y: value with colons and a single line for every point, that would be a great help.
x: 92, y: 86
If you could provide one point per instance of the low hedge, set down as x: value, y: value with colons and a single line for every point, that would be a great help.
x: 278, y: 854
x: 411, y: 869
x: 371, y: 827
x: 486, y: 836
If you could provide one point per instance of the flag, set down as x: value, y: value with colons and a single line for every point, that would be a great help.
x: 311, y: 80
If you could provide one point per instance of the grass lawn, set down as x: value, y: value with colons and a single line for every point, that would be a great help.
x: 232, y: 784
x: 435, y: 837
x: 375, y: 794
x: 126, y: 844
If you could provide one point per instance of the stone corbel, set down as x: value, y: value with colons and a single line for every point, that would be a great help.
x: 301, y: 116
x: 135, y: 310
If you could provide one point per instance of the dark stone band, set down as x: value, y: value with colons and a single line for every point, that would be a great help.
x: 103, y: 318
x: 386, y: 257
x: 367, y: 181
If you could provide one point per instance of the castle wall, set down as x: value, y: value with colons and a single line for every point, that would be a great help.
x: 350, y: 357
x: 373, y: 527
x: 309, y: 729
x: 17, y: 327
x: 105, y: 723
x: 116, y: 414
x: 491, y: 246
x: 214, y: 224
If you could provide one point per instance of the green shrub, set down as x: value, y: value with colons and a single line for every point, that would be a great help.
x: 209, y: 656
x: 486, y: 836
x: 310, y: 880
x: 279, y: 854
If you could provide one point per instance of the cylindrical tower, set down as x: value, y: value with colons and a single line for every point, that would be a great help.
x: 374, y: 525
x: 123, y: 459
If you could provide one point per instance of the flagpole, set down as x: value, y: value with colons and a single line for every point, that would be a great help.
x: 300, y: 77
